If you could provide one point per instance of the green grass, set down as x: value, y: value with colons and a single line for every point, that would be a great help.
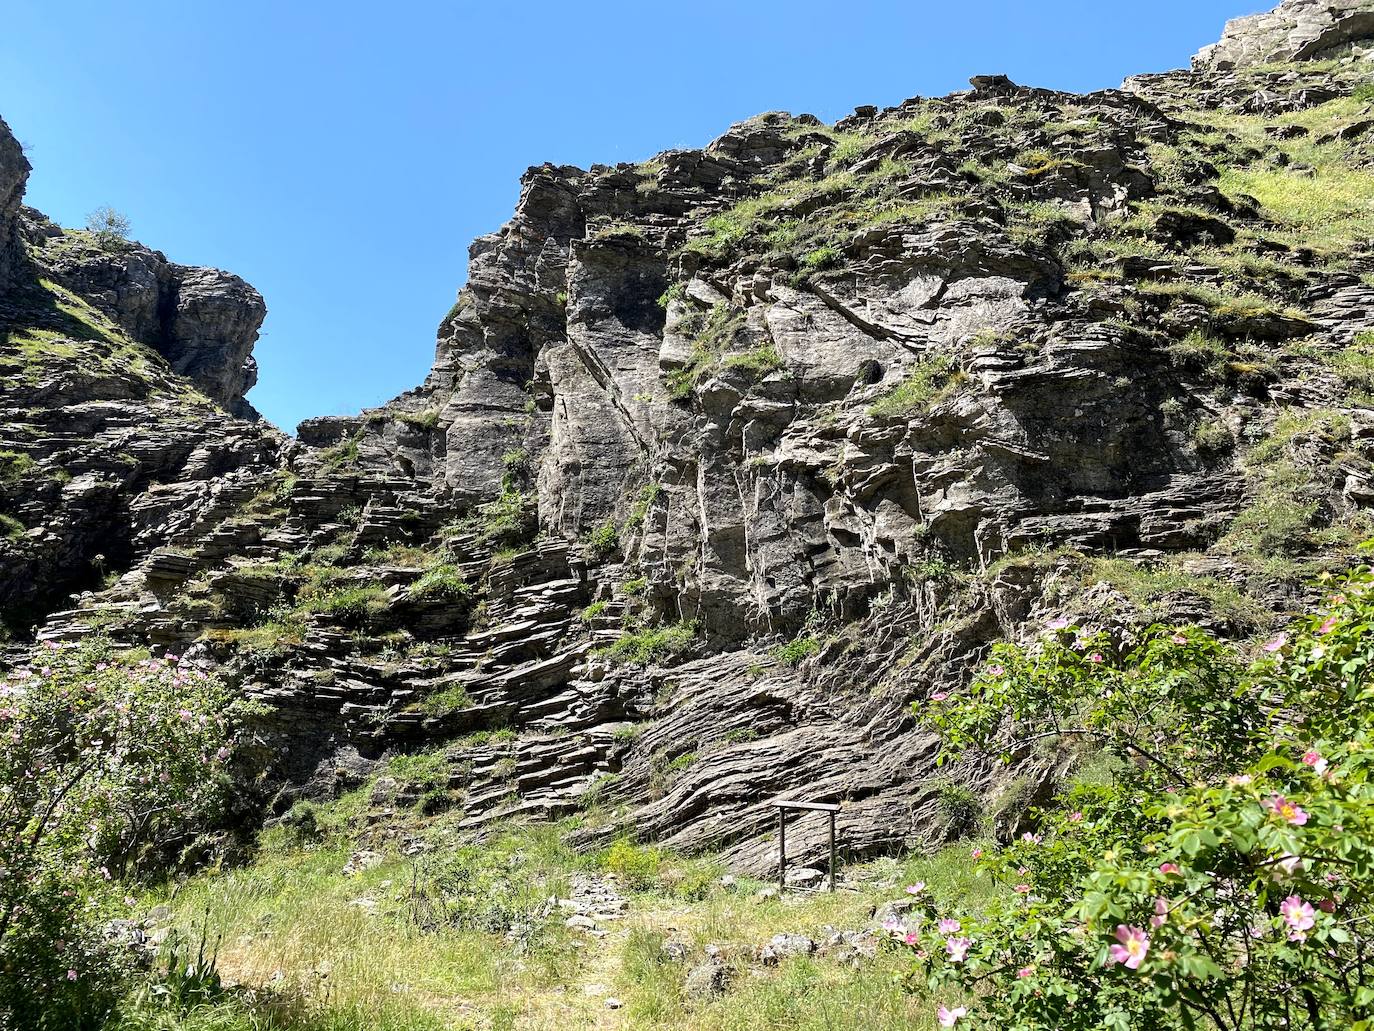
x: 1146, y: 585
x: 450, y: 699
x: 11, y: 528
x: 442, y: 583
x: 428, y: 947
x: 795, y: 651
x: 1354, y: 365
x: 652, y: 644
x: 14, y: 465
x: 931, y: 379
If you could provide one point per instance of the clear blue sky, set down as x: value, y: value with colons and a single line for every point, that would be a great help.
x: 340, y: 156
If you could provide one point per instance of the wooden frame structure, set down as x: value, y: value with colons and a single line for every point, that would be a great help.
x: 814, y: 807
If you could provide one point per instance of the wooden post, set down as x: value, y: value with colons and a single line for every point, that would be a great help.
x: 832, y: 851
x: 830, y: 809
x: 782, y: 849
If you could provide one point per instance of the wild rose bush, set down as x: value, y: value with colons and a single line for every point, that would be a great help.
x: 1225, y: 881
x: 107, y: 768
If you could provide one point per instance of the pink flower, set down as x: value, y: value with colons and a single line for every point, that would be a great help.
x: 1179, y: 639
x: 939, y: 696
x: 1328, y: 626
x: 1169, y: 868
x: 1057, y: 624
x: 1096, y: 657
x: 1290, y: 811
x: 71, y: 975
x: 916, y: 889
x: 1033, y: 839
x: 1161, y: 913
x: 1276, y: 644
x: 1314, y: 759
x: 957, y: 948
x: 1134, y: 944
x: 996, y: 671
x: 1022, y: 889
x: 950, y: 1017
x: 911, y: 938
x: 977, y: 853
x: 1075, y: 816
x: 1239, y: 781
x: 1299, y: 917
x: 1025, y: 972
x: 948, y: 926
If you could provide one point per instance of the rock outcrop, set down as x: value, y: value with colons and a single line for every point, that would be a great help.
x: 1296, y: 30
x: 731, y: 459
x: 14, y: 173
x: 203, y: 321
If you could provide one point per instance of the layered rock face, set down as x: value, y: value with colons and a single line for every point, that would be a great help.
x: 1296, y: 30
x: 203, y: 321
x: 116, y: 371
x: 731, y: 458
x: 14, y: 172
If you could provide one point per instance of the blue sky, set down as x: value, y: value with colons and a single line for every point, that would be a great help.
x: 341, y: 156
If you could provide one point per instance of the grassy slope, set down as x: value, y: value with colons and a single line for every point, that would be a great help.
x: 293, y: 931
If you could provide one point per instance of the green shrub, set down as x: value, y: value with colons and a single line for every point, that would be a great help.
x: 604, y: 540
x: 636, y: 865
x: 111, y: 768
x: 343, y: 455
x: 1355, y: 366
x: 442, y: 583
x: 795, y: 651
x: 648, y: 494
x: 1225, y: 881
x: 450, y: 699
x: 592, y: 611
x: 674, y: 293
x: 821, y: 258
x: 1213, y: 437
x: 109, y: 227
x: 508, y: 521
x: 654, y: 644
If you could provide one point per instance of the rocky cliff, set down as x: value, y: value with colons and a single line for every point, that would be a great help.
x: 729, y: 457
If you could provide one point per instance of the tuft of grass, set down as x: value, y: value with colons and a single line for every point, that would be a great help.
x: 652, y: 644
x: 14, y: 465
x: 931, y: 380
x: 795, y: 651
x: 442, y: 583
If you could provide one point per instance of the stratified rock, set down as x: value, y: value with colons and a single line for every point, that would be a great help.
x: 1296, y: 30
x: 14, y: 173
x: 203, y: 321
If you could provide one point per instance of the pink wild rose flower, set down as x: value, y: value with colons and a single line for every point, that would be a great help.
x: 949, y: 1017
x: 1298, y: 915
x: 1133, y: 944
x: 957, y: 948
x: 1286, y: 810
